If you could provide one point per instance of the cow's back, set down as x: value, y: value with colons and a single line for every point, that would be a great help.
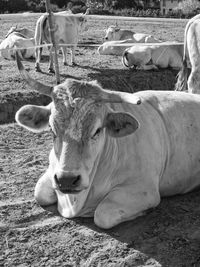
x: 166, y: 142
x: 167, y: 55
x: 66, y: 28
x: 126, y: 34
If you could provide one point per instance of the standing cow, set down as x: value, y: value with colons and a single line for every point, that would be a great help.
x: 113, y: 158
x: 191, y: 58
x: 66, y: 31
x: 20, y: 39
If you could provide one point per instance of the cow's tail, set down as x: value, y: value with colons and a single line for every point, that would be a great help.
x: 125, y: 59
x: 39, y: 33
x: 181, y: 84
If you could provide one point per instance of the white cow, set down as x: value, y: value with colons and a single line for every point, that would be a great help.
x: 153, y: 57
x: 118, y: 47
x: 18, y: 38
x: 114, y: 33
x: 28, y: 33
x: 66, y: 31
x: 191, y: 58
x: 112, y: 158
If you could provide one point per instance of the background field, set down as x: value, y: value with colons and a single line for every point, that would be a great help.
x: 167, y: 236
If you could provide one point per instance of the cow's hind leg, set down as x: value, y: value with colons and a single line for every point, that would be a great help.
x: 123, y: 204
x: 64, y: 52
x: 44, y: 193
x: 50, y: 67
x: 38, y: 58
x: 194, y: 82
x: 73, y: 63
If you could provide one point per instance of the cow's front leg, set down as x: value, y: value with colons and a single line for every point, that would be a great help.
x: 124, y: 204
x: 44, y: 192
x: 64, y: 53
x: 38, y: 58
x: 50, y: 68
x: 147, y: 67
x: 73, y: 63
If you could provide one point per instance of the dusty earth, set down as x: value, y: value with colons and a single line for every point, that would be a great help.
x: 167, y: 236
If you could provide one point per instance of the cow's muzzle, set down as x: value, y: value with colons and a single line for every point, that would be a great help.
x: 68, y: 183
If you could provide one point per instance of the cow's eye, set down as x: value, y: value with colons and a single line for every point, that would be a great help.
x: 98, y: 131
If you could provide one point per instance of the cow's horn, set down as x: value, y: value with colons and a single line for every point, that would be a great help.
x: 100, y: 95
x: 87, y: 11
x: 119, y: 97
x: 42, y: 88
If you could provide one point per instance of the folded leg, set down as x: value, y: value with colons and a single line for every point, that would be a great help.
x: 124, y: 204
x: 44, y: 193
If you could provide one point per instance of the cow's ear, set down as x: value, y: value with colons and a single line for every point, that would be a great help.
x: 120, y: 124
x: 33, y: 118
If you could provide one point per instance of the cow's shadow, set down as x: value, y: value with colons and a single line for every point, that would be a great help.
x: 165, y: 233
x: 129, y: 80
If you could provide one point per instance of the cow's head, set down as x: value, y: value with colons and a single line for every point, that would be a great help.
x: 83, y: 20
x: 112, y: 33
x: 25, y: 32
x: 80, y: 121
x: 12, y: 29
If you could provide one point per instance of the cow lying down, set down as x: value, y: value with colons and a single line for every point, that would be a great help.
x: 114, y: 33
x: 18, y: 38
x: 156, y: 56
x: 114, y: 154
x: 117, y: 47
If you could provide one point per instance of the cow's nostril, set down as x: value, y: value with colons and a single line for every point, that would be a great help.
x: 76, y: 181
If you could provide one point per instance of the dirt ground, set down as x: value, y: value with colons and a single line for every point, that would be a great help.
x: 167, y: 236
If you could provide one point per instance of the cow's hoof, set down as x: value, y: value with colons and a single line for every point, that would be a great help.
x: 73, y: 64
x: 37, y: 69
x: 65, y: 63
x: 51, y: 71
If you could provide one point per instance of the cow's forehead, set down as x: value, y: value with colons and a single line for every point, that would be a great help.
x: 71, y: 114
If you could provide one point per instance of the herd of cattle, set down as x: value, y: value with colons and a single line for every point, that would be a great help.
x: 121, y: 42
x: 115, y: 154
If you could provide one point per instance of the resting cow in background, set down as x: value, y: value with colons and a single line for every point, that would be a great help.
x: 191, y: 58
x: 18, y: 38
x: 67, y: 27
x: 114, y: 33
x: 153, y: 57
x: 113, y: 158
x: 117, y: 47
x: 24, y: 31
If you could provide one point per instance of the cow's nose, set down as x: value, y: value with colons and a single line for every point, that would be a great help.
x: 67, y: 182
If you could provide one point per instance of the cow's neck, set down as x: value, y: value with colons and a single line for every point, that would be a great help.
x: 102, y: 176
